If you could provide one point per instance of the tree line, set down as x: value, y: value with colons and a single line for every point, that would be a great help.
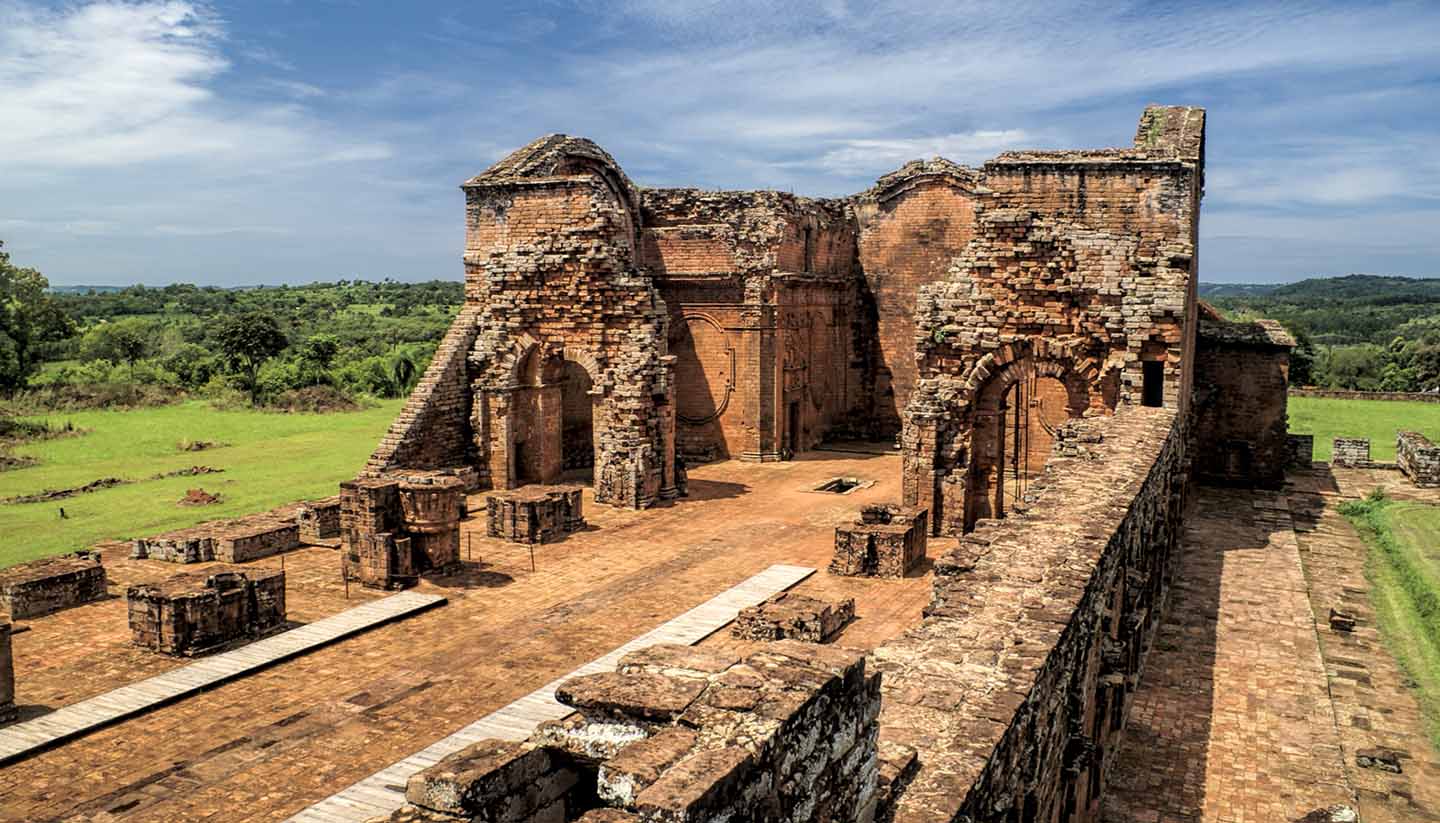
x: 265, y: 344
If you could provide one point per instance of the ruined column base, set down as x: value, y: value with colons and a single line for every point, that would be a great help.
x: 886, y: 541
x: 534, y: 514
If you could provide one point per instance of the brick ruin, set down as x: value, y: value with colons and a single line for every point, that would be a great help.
x: 8, y: 711
x: 678, y: 734
x: 397, y: 526
x: 44, y: 586
x: 884, y: 541
x: 1240, y: 400
x: 1418, y: 458
x: 192, y: 614
x: 610, y: 330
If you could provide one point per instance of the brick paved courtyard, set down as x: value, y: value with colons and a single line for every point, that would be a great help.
x: 269, y: 744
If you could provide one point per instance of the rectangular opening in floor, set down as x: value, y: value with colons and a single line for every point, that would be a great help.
x: 839, y: 485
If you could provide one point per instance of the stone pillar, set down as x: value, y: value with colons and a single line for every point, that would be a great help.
x: 7, y: 673
x: 431, y: 508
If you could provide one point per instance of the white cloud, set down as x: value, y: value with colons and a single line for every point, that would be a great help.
x: 870, y: 157
x: 111, y: 84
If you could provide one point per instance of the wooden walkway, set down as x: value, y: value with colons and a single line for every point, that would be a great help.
x: 384, y: 792
x: 24, y: 739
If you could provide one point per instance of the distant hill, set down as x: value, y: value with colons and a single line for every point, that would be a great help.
x: 1357, y: 308
x: 86, y: 289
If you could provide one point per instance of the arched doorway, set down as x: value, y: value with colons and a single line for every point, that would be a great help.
x: 577, y: 424
x: 1015, y: 421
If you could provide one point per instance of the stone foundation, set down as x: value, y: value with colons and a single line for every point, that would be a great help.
x: 1301, y: 450
x: 534, y: 514
x: 319, y: 519
x: 1350, y: 451
x: 788, y: 616
x: 395, y: 527
x: 228, y: 541
x: 886, y: 541
x: 7, y: 673
x: 679, y: 734
x: 1418, y: 458
x: 43, y: 586
x: 189, y: 614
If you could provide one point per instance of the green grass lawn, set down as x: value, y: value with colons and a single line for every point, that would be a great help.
x: 1378, y: 420
x: 271, y: 459
x: 1404, y: 571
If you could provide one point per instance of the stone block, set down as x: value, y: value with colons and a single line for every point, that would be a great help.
x: 1350, y: 451
x: 319, y: 519
x: 1418, y: 458
x: 793, y: 616
x: 637, y: 695
x: 496, y: 780
x: 44, y: 586
x: 190, y: 614
x: 534, y: 514
x: 885, y: 541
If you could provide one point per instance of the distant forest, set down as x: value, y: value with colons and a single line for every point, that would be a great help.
x: 324, y: 344
x: 1356, y: 332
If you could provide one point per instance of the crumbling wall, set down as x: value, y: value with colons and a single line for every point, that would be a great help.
x: 1418, y: 458
x: 1015, y: 686
x: 761, y: 288
x: 1352, y: 452
x: 1242, y: 374
x: 1081, y: 269
x: 8, y: 711
x: 191, y: 614
x: 676, y: 735
x: 550, y: 266
x: 912, y: 223
x: 43, y: 586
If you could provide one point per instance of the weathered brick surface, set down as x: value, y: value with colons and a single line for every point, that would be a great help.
x: 43, y: 586
x: 790, y: 616
x: 1350, y: 451
x: 534, y: 514
x: 1014, y: 689
x: 885, y: 541
x: 1301, y: 449
x: 1080, y: 270
x: 396, y: 526
x: 1241, y: 374
x: 192, y: 614
x: 7, y: 672
x: 229, y: 541
x: 319, y: 519
x: 1418, y: 458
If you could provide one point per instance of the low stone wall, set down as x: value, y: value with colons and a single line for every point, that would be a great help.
x: 790, y: 616
x: 229, y: 541
x: 1015, y: 686
x: 1350, y: 451
x: 1301, y: 449
x: 1418, y: 458
x: 43, y: 586
x: 7, y: 673
x: 191, y: 614
x: 1344, y: 394
x: 679, y: 734
x: 319, y: 519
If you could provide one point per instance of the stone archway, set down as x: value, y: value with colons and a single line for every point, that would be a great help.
x: 577, y: 423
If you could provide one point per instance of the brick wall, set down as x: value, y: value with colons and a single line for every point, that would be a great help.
x: 191, y: 614
x: 1418, y: 458
x: 1350, y: 451
x: 1016, y: 703
x: 43, y: 586
x: 1240, y: 413
x: 7, y: 672
x: 912, y: 225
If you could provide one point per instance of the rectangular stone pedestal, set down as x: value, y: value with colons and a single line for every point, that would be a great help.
x: 788, y: 616
x: 534, y: 514
x: 188, y: 614
x: 887, y: 541
x: 43, y: 586
x: 319, y: 519
x: 7, y: 673
x: 229, y: 541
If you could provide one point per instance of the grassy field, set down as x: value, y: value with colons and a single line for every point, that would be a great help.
x: 1404, y: 572
x: 1378, y: 420
x: 269, y: 459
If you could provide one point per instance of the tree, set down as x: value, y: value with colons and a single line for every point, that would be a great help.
x: 28, y: 317
x: 123, y: 341
x: 1302, y: 359
x: 246, y: 341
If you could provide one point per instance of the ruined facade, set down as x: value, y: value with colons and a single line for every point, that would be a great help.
x: 609, y: 330
x: 1242, y: 373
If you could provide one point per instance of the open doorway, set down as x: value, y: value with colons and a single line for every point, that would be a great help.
x: 1013, y: 436
x: 577, y: 424
x: 792, y: 429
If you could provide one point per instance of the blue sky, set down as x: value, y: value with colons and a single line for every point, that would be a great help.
x: 266, y: 142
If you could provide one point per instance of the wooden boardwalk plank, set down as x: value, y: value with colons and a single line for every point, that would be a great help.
x: 24, y: 739
x: 517, y: 720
